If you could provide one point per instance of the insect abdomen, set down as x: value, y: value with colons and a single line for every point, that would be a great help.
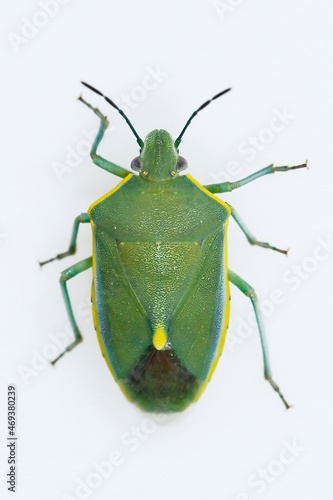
x: 160, y: 383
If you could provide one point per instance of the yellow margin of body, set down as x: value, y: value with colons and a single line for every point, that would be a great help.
x: 95, y: 317
x: 102, y: 198
x: 225, y: 325
x: 227, y: 307
x: 225, y: 262
x: 208, y: 193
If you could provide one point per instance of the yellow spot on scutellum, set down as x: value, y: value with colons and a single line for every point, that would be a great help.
x: 160, y: 338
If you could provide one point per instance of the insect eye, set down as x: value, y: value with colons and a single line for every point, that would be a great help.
x: 136, y: 164
x: 181, y: 164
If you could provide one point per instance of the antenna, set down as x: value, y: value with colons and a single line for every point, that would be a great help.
x: 138, y: 139
x: 179, y: 138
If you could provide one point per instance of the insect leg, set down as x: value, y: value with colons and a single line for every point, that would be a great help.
x: 226, y: 187
x: 248, y: 290
x: 250, y: 238
x: 80, y: 219
x: 98, y: 160
x: 66, y: 275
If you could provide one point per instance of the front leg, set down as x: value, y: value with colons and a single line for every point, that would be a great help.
x: 249, y: 236
x: 98, y: 160
x: 226, y: 187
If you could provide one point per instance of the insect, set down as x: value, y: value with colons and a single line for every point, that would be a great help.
x: 160, y: 293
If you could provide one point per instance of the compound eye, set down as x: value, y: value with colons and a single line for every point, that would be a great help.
x: 136, y: 164
x: 181, y: 164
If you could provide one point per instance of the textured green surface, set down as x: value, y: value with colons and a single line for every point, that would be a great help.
x: 158, y: 261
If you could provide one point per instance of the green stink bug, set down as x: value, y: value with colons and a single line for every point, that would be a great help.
x: 160, y: 292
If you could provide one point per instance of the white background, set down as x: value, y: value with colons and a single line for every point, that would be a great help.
x: 234, y: 444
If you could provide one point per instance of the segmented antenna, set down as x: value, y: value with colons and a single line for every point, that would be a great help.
x: 138, y: 139
x: 179, y: 138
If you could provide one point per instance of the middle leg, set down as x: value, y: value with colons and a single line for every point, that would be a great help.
x: 250, y: 238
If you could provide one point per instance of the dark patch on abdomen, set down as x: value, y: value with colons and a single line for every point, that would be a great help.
x: 160, y: 383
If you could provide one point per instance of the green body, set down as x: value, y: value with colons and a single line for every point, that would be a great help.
x: 158, y: 262
x: 160, y: 274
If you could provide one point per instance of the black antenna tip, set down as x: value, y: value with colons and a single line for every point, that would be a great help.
x: 102, y: 95
x: 179, y: 138
x: 212, y: 99
x: 92, y: 88
x: 139, y: 140
x: 220, y: 93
